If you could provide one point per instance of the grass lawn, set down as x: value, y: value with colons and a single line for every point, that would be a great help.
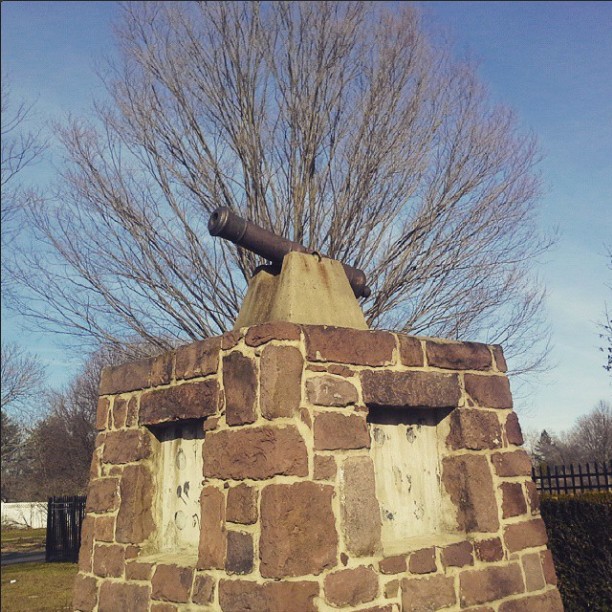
x: 23, y: 540
x: 34, y: 587
x: 37, y: 587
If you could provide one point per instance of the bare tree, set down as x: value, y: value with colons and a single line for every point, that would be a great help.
x: 552, y: 449
x: 341, y: 125
x: 22, y: 382
x: 23, y: 377
x: 590, y: 439
x: 593, y: 433
x: 20, y: 148
x: 58, y: 450
x: 606, y: 326
x: 11, y: 439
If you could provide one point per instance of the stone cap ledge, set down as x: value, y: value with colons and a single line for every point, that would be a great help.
x: 323, y: 344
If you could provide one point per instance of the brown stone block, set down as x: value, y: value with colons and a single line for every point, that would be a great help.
x: 162, y: 369
x: 127, y: 446
x: 532, y: 568
x: 242, y: 505
x: 514, y: 463
x: 213, y: 541
x: 131, y: 419
x: 230, y: 340
x: 500, y: 360
x: 339, y: 370
x: 136, y: 570
x: 306, y: 417
x: 239, y: 558
x: 514, y: 435
x: 281, y: 381
x: 187, y: 401
x: 240, y: 385
x: 422, y: 561
x: 387, y: 608
x: 422, y: 594
x: 96, y: 464
x: 458, y: 555
x: 99, y: 443
x: 474, y: 430
x: 490, y: 550
x: 198, y: 359
x: 157, y: 606
x: 489, y: 391
x: 458, y: 355
x: 393, y: 565
x: 548, y: 567
x: 239, y: 595
x: 278, y: 330
x: 410, y: 351
x: 126, y: 377
x: 119, y: 412
x: 87, y: 543
x: 485, y: 585
x: 324, y: 467
x: 172, y: 583
x: 95, y: 468
x: 513, y: 500
x: 391, y: 589
x: 330, y: 391
x: 258, y: 453
x: 534, y: 496
x: 102, y: 412
x: 386, y: 388
x: 102, y: 495
x: 545, y: 602
x: 123, y: 596
x: 135, y: 518
x: 351, y: 346
x: 132, y: 551
x: 203, y: 589
x: 360, y: 512
x: 108, y: 560
x: 351, y: 587
x: 298, y: 530
x: 525, y: 535
x: 336, y: 431
x: 468, y: 481
x: 85, y: 593
x: 211, y: 423
x: 104, y: 530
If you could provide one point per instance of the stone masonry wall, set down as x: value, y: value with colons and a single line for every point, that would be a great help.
x: 289, y: 515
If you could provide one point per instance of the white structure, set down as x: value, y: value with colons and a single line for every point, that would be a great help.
x: 24, y: 514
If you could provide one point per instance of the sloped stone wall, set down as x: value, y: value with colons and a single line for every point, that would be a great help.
x: 289, y: 514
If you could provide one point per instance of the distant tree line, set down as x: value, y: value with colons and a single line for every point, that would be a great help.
x: 589, y: 440
x: 47, y: 450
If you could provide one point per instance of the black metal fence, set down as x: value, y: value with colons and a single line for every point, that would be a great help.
x: 64, y: 520
x: 573, y: 478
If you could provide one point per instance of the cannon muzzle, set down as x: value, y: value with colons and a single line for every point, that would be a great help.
x: 224, y: 223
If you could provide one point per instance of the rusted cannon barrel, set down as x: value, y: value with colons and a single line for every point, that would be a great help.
x: 225, y: 224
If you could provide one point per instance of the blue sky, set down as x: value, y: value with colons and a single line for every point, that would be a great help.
x: 550, y: 61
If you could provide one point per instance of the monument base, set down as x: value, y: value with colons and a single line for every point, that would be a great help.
x: 288, y: 467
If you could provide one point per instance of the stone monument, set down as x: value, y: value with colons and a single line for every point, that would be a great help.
x: 303, y: 462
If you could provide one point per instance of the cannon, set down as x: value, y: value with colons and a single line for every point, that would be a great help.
x: 226, y: 224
